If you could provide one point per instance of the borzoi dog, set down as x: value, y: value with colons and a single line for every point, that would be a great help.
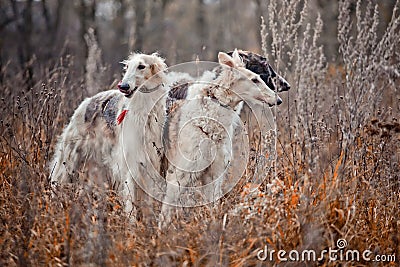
x: 90, y: 139
x: 87, y: 138
x: 199, y: 132
x: 257, y: 125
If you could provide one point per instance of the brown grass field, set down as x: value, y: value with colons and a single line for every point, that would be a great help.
x: 336, y: 175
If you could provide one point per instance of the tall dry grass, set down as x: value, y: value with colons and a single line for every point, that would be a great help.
x: 336, y: 175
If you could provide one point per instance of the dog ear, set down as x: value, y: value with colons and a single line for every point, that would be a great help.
x: 224, y: 58
x: 237, y: 59
x: 157, y: 67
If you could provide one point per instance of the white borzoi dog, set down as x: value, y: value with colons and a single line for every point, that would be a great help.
x: 199, y: 132
x: 89, y: 141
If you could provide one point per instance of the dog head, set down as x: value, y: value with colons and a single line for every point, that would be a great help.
x: 141, y: 68
x: 246, y: 83
x: 259, y: 64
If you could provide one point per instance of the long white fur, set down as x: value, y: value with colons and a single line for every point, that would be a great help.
x: 83, y: 144
x: 137, y: 155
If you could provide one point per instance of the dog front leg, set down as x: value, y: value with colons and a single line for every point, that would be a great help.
x: 177, y: 180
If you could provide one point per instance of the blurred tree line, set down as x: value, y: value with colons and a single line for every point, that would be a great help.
x: 41, y: 31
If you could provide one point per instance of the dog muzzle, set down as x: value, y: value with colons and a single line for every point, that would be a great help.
x: 126, y: 89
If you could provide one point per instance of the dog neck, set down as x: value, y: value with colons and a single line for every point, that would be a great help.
x: 220, y: 92
x: 211, y: 95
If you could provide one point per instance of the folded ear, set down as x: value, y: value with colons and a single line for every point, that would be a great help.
x: 158, y: 66
x: 157, y: 69
x: 224, y: 58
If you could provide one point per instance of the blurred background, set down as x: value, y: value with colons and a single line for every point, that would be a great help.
x: 36, y: 32
x: 336, y: 173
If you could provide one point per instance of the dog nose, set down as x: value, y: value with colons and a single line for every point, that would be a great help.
x: 285, y: 86
x: 279, y: 101
x: 123, y: 86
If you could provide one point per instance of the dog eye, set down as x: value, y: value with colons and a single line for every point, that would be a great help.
x: 140, y: 67
x: 255, y: 80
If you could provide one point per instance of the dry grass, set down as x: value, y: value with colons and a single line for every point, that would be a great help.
x: 336, y: 176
